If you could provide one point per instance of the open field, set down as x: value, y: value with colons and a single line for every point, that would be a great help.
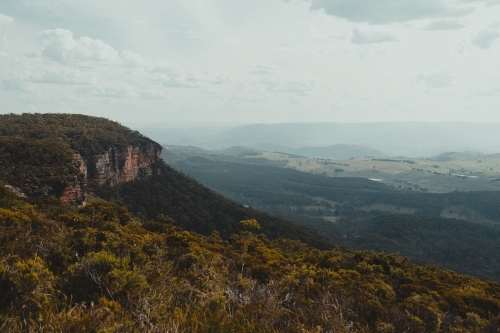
x: 444, y: 173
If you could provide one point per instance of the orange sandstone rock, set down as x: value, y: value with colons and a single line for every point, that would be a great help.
x: 115, y: 166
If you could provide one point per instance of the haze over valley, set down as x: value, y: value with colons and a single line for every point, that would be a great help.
x: 412, y: 139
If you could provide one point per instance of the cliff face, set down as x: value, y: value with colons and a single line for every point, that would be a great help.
x: 123, y: 164
x: 115, y: 166
x: 76, y: 191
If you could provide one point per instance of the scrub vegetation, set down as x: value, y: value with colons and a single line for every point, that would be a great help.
x: 99, y: 269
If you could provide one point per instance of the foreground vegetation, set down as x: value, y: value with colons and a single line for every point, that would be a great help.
x: 97, y: 269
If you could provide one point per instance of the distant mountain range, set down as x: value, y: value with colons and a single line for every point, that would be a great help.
x: 414, y: 139
x: 338, y: 151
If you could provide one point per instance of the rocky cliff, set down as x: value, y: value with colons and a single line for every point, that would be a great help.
x: 115, y: 166
x: 76, y: 191
x: 122, y: 164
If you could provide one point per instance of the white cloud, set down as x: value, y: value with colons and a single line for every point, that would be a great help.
x: 371, y: 37
x: 140, y: 22
x: 387, y: 11
x: 436, y: 80
x: 444, y: 25
x: 63, y: 75
x: 263, y: 70
x: 4, y: 19
x: 133, y: 60
x: 59, y: 45
x: 488, y: 2
x: 171, y: 75
x: 491, y: 92
x: 17, y: 84
x: 5, y: 43
x: 209, y: 76
x: 292, y: 86
x: 109, y: 91
x: 248, y: 97
x: 485, y: 38
x: 153, y: 94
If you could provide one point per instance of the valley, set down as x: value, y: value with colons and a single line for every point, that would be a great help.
x: 444, y: 173
x: 347, y: 210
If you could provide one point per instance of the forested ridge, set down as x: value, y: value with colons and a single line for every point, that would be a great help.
x: 86, y: 135
x: 99, y: 269
x: 37, y: 166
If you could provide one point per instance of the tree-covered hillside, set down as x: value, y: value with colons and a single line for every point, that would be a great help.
x: 37, y: 166
x: 87, y: 135
x: 98, y: 269
x: 197, y: 208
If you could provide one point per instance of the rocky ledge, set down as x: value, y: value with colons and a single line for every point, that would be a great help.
x: 115, y: 166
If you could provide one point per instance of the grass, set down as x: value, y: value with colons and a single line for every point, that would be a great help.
x: 463, y: 172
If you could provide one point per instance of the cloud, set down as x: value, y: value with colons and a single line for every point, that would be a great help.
x: 152, y: 94
x: 387, y: 11
x: 293, y: 86
x: 170, y: 75
x: 17, y: 84
x: 444, y: 25
x: 488, y: 2
x: 485, y: 38
x: 263, y: 70
x: 59, y: 45
x: 491, y: 92
x: 63, y: 75
x: 436, y: 79
x: 371, y: 37
x: 4, y: 19
x: 133, y: 60
x: 109, y: 90
x: 210, y: 77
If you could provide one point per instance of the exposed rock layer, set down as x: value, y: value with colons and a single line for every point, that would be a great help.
x: 76, y: 191
x: 115, y: 166
x: 123, y: 164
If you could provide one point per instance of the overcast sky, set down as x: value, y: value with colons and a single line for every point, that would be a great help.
x: 253, y: 61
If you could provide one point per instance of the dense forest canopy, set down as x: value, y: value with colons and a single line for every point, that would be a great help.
x: 85, y: 134
x: 37, y: 166
x: 197, y: 208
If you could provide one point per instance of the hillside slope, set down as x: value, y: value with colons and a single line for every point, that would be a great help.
x: 37, y: 155
x: 97, y: 269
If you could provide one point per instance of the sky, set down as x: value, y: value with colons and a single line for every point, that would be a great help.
x: 252, y: 61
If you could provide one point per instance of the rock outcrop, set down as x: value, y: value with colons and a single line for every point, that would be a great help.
x: 16, y: 191
x: 76, y: 191
x: 115, y: 166
x: 123, y: 164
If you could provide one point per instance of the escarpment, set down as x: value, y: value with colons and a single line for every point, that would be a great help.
x: 61, y: 155
x: 122, y: 164
x: 114, y: 166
